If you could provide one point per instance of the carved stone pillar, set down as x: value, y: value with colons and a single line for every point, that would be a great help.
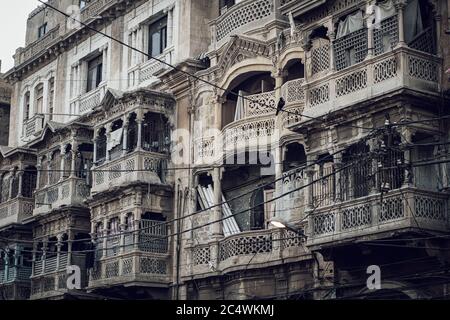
x: 400, y: 6
x: 217, y: 227
x: 62, y: 165
x: 125, y: 137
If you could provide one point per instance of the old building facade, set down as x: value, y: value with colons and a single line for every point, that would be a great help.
x: 162, y: 179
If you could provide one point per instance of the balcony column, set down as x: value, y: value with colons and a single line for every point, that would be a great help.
x: 59, y: 244
x: 73, y: 154
x: 400, y: 6
x: 95, y: 146
x: 136, y: 222
x: 370, y: 39
x: 438, y: 19
x: 309, y: 171
x: 125, y: 136
x: 11, y: 180
x: 20, y: 174
x: 406, y: 139
x: 38, y: 176
x: 63, y: 162
x: 70, y: 238
x: 33, y: 258
x: 217, y: 211
x: 337, y: 163
x: 332, y: 36
x: 139, y: 122
x: 105, y: 236
x: 122, y: 228
x: 48, y: 168
x: 44, y: 253
x: 373, y: 168
x: 108, y: 139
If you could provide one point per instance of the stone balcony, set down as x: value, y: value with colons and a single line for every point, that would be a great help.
x: 138, y: 166
x: 94, y: 8
x: 15, y: 210
x: 33, y: 126
x: 49, y: 276
x: 37, y: 47
x: 247, y: 249
x: 147, y: 70
x: 68, y: 192
x: 88, y: 101
x: 257, y: 127
x: 132, y: 267
x: 15, y: 273
x: 401, y: 68
x: 373, y: 216
x: 242, y: 18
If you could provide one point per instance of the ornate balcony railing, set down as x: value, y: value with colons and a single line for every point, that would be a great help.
x: 33, y: 126
x: 88, y: 101
x: 15, y: 273
x: 38, y: 46
x: 251, y: 247
x: 49, y: 277
x: 71, y: 191
x: 260, y: 104
x: 149, y: 69
x: 242, y: 17
x: 399, y: 68
x: 144, y: 166
x: 94, y: 8
x: 362, y: 217
x: 15, y: 210
x: 131, y: 267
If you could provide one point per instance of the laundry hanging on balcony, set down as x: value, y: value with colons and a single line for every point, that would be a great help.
x: 384, y: 10
x: 412, y: 20
x: 351, y: 24
x: 240, y: 106
x: 206, y: 200
x: 115, y: 138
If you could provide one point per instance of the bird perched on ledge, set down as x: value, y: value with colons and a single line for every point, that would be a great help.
x: 280, y: 106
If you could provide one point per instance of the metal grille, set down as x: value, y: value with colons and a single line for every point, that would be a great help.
x: 350, y: 49
x: 385, y: 37
x: 320, y: 58
x: 323, y: 187
x: 153, y: 236
x: 424, y: 41
x: 153, y: 266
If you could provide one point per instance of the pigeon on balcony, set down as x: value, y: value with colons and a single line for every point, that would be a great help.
x: 280, y: 106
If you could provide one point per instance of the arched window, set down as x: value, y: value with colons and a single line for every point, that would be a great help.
x: 39, y: 98
x: 132, y: 133
x: 5, y: 187
x: 155, y: 133
x: 43, y: 177
x: 101, y: 145
x: 29, y: 182
x: 55, y: 167
x: 257, y: 213
x: 67, y: 160
x: 26, y: 106
x: 14, y: 185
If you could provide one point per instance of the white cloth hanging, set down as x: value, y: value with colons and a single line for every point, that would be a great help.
x: 115, y: 138
x: 384, y: 10
x: 412, y: 20
x: 351, y: 24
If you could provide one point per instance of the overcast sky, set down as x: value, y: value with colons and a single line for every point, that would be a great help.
x: 13, y: 19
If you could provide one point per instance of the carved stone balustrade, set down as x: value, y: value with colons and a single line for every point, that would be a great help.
x: 71, y: 191
x: 15, y: 210
x: 404, y: 208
